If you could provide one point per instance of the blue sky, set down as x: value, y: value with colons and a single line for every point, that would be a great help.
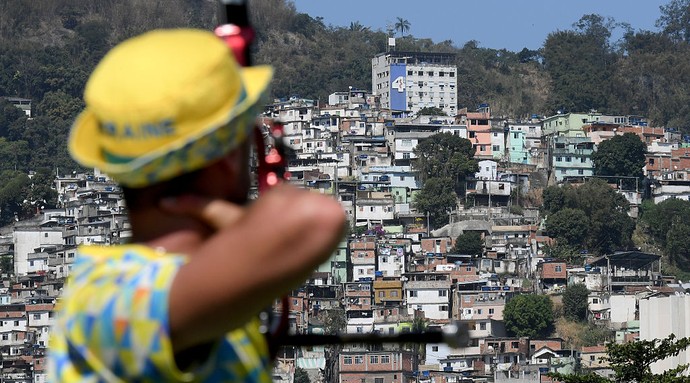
x: 510, y: 24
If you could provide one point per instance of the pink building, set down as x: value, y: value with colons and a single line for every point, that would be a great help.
x: 478, y: 132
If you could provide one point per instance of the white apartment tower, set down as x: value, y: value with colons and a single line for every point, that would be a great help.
x: 410, y: 81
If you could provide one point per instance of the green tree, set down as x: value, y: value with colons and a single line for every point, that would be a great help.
x: 631, y: 362
x: 606, y: 212
x: 581, y: 64
x: 431, y: 111
x: 9, y: 115
x: 301, y: 375
x: 445, y: 155
x: 334, y: 320
x: 402, y: 26
x: 469, y: 242
x: 356, y: 26
x: 556, y: 198
x: 610, y: 225
x: 575, y: 302
x: 620, y: 156
x: 568, y: 226
x: 13, y: 185
x: 6, y: 264
x: 659, y: 218
x: 437, y: 199
x: 674, y: 21
x: 676, y: 244
x: 529, y: 315
x: 561, y: 250
x: 595, y: 335
x: 653, y: 79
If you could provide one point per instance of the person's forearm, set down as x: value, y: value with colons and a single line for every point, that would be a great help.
x: 243, y: 268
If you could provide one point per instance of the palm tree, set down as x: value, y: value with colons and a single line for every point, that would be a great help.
x: 403, y: 26
x: 358, y: 27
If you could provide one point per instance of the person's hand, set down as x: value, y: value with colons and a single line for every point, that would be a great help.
x: 216, y: 213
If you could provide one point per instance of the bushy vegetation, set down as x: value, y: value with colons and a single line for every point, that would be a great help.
x: 592, y: 217
x: 529, y: 315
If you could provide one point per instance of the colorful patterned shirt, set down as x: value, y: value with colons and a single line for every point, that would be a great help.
x: 112, y: 325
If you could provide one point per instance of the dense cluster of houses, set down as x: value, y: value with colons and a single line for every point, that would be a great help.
x: 393, y: 272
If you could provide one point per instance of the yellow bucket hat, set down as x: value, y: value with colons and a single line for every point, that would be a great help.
x: 165, y: 103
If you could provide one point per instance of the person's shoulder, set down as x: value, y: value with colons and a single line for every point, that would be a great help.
x: 129, y: 253
x: 118, y: 259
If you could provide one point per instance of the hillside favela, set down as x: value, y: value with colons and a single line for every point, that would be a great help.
x: 538, y: 200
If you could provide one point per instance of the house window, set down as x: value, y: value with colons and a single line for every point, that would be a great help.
x: 558, y: 268
x: 382, y: 294
x: 558, y: 159
x: 359, y: 359
x: 413, y: 293
x: 37, y: 316
x: 482, y: 325
x: 394, y: 294
x: 5, y: 337
x: 595, y: 301
x: 591, y: 358
x: 384, y: 259
x: 347, y: 360
x: 443, y: 293
x: 374, y: 359
x: 515, y: 345
x: 16, y: 323
x: 385, y: 359
x: 434, y: 348
x: 443, y: 308
x: 496, y: 148
x: 378, y: 380
x: 568, y: 159
x: 479, y: 311
x: 580, y: 171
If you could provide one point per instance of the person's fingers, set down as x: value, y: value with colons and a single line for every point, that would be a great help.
x: 214, y: 212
